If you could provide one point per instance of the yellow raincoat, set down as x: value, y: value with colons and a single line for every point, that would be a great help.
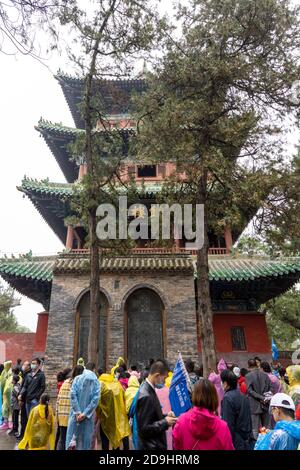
x: 6, y: 388
x: 131, y: 391
x: 111, y: 410
x: 118, y: 363
x: 6, y: 373
x: 293, y: 373
x: 39, y: 432
x: 169, y: 379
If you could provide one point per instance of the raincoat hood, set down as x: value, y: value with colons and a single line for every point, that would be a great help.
x: 214, y: 378
x: 108, y: 378
x: 291, y: 427
x: 203, y: 424
x: 133, y: 382
x: 293, y: 373
x: 7, y: 365
x: 221, y: 366
x: 119, y: 362
x: 42, y: 412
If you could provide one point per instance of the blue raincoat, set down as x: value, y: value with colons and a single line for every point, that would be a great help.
x: 285, y: 436
x: 85, y: 395
x: 134, y: 428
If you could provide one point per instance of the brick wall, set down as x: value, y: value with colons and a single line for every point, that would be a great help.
x: 176, y: 291
x: 177, y: 294
x: 16, y: 345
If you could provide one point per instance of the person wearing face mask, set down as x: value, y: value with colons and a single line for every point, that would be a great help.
x: 286, y: 434
x: 151, y: 423
x: 33, y: 386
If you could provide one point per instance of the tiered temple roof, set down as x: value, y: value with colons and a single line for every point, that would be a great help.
x: 236, y: 283
x: 52, y: 200
x: 115, y: 94
x: 233, y: 280
x: 59, y: 139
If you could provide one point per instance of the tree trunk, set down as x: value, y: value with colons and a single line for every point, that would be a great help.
x: 205, y: 314
x: 94, y: 325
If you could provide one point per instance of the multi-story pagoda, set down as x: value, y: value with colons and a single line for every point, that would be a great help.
x: 147, y: 296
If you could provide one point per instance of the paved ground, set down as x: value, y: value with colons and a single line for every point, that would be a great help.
x: 7, y: 442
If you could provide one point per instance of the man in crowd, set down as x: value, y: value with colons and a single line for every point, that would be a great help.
x: 286, y: 434
x: 151, y: 423
x: 33, y: 386
x: 258, y: 387
x: 235, y: 410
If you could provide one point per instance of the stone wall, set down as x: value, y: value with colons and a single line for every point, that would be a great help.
x: 177, y: 294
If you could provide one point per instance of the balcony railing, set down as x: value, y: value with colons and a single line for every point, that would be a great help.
x: 166, y: 251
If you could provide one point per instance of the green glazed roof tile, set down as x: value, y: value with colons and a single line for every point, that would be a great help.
x: 40, y: 269
x: 45, y: 126
x: 220, y: 270
x: 33, y: 187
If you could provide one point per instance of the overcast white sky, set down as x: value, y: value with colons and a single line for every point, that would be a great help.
x: 28, y: 91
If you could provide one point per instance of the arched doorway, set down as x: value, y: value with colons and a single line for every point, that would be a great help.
x: 83, y: 328
x: 145, y: 326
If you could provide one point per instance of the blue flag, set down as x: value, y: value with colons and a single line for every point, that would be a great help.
x: 275, y: 352
x: 179, y: 389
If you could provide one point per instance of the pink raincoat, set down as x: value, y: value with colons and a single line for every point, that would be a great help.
x: 199, y: 429
x: 163, y: 396
x: 276, y: 386
x: 216, y: 380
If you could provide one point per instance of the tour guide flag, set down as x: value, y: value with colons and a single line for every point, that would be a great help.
x: 275, y: 352
x: 179, y: 393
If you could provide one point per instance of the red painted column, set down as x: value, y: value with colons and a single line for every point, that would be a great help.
x: 228, y: 239
x: 41, y: 333
x: 81, y: 172
x: 70, y: 237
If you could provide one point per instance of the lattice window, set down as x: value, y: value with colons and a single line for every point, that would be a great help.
x: 238, y: 338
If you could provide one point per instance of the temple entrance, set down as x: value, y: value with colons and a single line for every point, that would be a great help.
x: 145, y: 327
x: 83, y: 328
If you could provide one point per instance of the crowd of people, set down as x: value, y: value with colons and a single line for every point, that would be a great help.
x: 125, y: 408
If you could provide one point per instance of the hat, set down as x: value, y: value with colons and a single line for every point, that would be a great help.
x: 281, y: 400
x: 236, y: 371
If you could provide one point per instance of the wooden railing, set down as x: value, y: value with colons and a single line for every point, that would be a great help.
x: 166, y: 251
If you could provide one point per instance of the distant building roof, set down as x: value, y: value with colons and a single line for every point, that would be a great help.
x: 114, y: 94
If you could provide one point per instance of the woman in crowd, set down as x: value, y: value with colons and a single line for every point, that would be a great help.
x: 63, y: 407
x: 39, y: 432
x: 216, y: 380
x: 6, y: 389
x: 131, y: 391
x: 200, y: 428
x: 112, y: 412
